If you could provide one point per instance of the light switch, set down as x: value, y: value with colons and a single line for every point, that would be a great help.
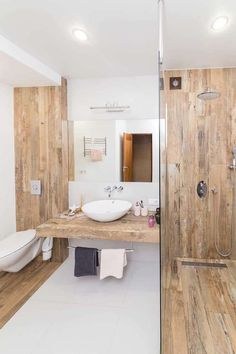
x: 35, y: 187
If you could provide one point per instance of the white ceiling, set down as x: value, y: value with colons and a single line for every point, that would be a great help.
x: 18, y: 68
x: 17, y: 74
x: 189, y: 40
x: 122, y: 34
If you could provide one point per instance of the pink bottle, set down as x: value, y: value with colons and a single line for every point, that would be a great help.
x: 151, y: 221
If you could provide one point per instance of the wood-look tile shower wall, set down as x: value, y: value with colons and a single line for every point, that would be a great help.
x: 41, y: 152
x: 200, y: 140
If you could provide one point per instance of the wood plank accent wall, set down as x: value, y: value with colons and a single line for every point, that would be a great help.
x: 41, y: 152
x: 201, y: 136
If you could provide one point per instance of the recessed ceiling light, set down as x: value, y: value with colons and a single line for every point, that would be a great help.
x: 80, y: 34
x: 220, y: 23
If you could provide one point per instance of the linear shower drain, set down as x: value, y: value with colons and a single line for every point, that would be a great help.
x: 204, y: 264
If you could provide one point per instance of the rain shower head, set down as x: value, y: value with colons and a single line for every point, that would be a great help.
x: 208, y: 94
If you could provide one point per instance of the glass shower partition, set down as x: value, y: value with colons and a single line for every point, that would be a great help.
x: 162, y: 179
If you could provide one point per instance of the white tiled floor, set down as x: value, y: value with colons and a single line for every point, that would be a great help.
x: 70, y: 315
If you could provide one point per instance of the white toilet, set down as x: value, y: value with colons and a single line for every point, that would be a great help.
x: 18, y: 249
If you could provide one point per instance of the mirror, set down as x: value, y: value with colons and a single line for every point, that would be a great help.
x: 114, y: 150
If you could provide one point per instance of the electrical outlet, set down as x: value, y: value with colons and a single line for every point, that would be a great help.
x: 153, y: 202
x: 35, y: 187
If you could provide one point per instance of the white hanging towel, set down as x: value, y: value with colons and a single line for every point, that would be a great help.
x: 112, y: 263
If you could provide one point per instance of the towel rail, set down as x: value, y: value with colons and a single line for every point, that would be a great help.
x: 129, y: 250
x: 95, y: 143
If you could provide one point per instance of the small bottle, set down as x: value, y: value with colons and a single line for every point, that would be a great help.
x: 137, y: 209
x: 144, y: 211
x: 157, y: 216
x: 151, y: 221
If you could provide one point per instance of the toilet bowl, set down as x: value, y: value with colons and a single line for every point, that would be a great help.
x: 18, y: 249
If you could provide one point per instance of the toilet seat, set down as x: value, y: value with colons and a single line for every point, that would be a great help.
x: 15, y: 241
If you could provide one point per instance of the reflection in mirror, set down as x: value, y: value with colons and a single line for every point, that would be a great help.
x: 114, y: 150
x: 137, y: 157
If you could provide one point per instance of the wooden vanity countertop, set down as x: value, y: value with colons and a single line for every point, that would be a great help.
x: 129, y: 228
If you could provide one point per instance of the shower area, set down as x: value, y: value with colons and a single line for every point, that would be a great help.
x: 201, y: 159
x: 198, y: 205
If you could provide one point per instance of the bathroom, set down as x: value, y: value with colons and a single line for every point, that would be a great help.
x: 118, y: 182
x: 66, y: 103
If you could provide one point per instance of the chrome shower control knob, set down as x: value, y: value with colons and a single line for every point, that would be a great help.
x: 202, y: 189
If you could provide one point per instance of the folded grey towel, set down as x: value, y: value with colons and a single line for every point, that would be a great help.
x: 86, y: 261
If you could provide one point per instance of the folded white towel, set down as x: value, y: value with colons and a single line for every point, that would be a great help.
x: 113, y: 262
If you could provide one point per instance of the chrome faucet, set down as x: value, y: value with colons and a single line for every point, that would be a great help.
x: 120, y: 189
x: 110, y: 190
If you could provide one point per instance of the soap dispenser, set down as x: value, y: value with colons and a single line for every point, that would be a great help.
x: 137, y: 209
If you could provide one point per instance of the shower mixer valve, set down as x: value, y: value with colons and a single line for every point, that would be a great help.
x: 202, y: 189
x: 233, y: 165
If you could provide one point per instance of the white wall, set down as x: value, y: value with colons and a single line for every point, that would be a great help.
x: 138, y: 92
x: 7, y: 163
x: 120, y: 129
x: 95, y: 191
x: 141, y: 94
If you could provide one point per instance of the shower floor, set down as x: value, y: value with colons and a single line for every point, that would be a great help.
x: 200, y: 308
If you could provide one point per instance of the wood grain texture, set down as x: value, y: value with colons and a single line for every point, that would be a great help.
x: 41, y: 152
x: 130, y: 228
x: 17, y: 288
x: 199, y: 315
x: 200, y: 139
x: 127, y: 168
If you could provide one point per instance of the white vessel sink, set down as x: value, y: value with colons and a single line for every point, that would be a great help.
x: 106, y: 210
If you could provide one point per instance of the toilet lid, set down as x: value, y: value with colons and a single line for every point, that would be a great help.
x: 15, y: 241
